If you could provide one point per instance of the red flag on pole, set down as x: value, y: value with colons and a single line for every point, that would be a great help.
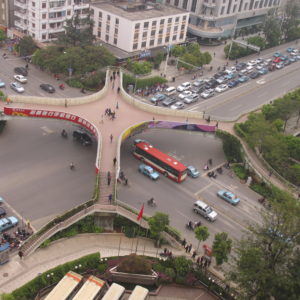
x: 140, y: 215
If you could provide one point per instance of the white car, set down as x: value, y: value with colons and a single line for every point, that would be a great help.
x: 17, y: 87
x: 20, y: 78
x: 177, y: 105
x: 249, y: 69
x: 207, y: 93
x: 221, y: 88
x: 295, y: 52
x: 184, y: 94
x: 252, y: 63
x: 184, y: 86
x: 190, y: 99
x: 220, y: 80
x: 259, y: 67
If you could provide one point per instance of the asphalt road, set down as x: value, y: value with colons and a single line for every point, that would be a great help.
x: 35, y: 179
x: 35, y: 78
x: 177, y: 199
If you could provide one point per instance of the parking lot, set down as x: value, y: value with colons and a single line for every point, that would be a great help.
x: 177, y: 199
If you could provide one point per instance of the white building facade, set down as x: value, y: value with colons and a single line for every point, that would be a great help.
x: 138, y: 26
x: 45, y: 19
x: 219, y: 18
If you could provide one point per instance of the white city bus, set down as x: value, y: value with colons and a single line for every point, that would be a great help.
x: 90, y: 290
x: 139, y: 293
x: 115, y: 292
x: 65, y: 287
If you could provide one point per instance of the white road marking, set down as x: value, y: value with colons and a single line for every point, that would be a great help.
x: 261, y: 81
x: 46, y: 130
x: 203, y: 189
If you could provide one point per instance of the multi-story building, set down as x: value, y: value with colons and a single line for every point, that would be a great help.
x: 133, y: 26
x: 215, y: 19
x: 44, y: 19
x: 6, y: 13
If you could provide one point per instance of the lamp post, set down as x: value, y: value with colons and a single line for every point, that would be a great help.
x: 168, y: 55
x: 232, y: 37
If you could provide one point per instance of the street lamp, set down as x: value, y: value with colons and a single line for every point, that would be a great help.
x: 168, y: 55
x: 232, y: 37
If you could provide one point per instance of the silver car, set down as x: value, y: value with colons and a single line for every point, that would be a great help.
x: 207, y: 93
x: 190, y: 99
x: 17, y: 87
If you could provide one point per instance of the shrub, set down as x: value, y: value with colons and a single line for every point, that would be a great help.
x: 135, y: 264
x: 74, y: 83
x: 240, y: 172
x: 102, y: 268
x: 170, y: 273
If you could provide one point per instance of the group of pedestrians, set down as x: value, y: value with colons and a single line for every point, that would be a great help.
x: 111, y: 113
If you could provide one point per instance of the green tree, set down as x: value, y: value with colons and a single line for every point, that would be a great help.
x: 272, y: 31
x: 201, y: 234
x: 182, y: 265
x: 157, y: 224
x: 221, y: 247
x: 257, y: 41
x: 157, y: 59
x: 141, y: 67
x: 2, y: 35
x: 178, y: 50
x: 290, y: 26
x: 26, y: 46
x: 264, y: 260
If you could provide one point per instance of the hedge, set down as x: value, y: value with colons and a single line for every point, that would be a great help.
x: 30, y: 289
x: 142, y: 83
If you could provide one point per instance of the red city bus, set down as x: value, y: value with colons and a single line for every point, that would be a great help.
x: 160, y: 161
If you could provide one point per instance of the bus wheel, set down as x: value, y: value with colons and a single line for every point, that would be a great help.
x: 166, y: 174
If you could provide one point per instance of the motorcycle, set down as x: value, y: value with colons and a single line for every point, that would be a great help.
x: 61, y: 86
x: 64, y: 134
x: 212, y: 174
x: 151, y: 202
x: 219, y: 170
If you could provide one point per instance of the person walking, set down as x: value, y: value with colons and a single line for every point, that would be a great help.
x: 111, y: 138
x: 115, y: 161
x: 110, y: 198
x: 183, y: 243
x: 21, y: 254
x: 108, y: 178
x: 194, y: 254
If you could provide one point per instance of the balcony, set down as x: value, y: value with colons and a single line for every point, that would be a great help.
x: 21, y: 13
x: 209, y: 4
x: 205, y: 31
x: 21, y: 25
x: 21, y: 4
x: 56, y: 29
x: 81, y: 6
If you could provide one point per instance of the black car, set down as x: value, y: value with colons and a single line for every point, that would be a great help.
x: 211, y: 84
x: 240, y: 66
x: 21, y: 71
x: 198, y: 90
x: 47, y: 87
x: 254, y: 75
x: 2, y: 212
x: 82, y: 136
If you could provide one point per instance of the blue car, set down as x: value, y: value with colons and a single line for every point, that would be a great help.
x: 2, y: 83
x: 284, y: 58
x: 148, y: 171
x: 243, y: 79
x: 7, y: 223
x: 233, y: 83
x: 229, y: 197
x: 289, y: 50
x: 263, y: 71
x: 277, y: 54
x: 193, y: 172
x: 292, y: 59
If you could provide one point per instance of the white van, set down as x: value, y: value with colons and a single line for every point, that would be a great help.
x: 170, y: 91
x: 206, y: 211
x: 183, y: 87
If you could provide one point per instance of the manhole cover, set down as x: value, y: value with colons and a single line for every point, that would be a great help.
x: 5, y: 274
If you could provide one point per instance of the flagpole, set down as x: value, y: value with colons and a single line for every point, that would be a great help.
x: 139, y: 218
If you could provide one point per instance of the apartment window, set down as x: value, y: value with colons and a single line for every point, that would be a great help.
x: 177, y: 20
x: 174, y: 37
x: 106, y: 37
x: 170, y: 20
x: 266, y: 3
x: 246, y: 6
x: 145, y: 34
x: 69, y: 12
x: 162, y: 21
x: 160, y: 31
x: 256, y: 4
x: 33, y: 35
x: 152, y: 32
x: 241, y: 5
x: 182, y: 27
x: 135, y: 46
x: 43, y: 26
x: 181, y: 36
x: 33, y: 25
x: 146, y: 24
x: 116, y: 30
x: 168, y: 29
x: 44, y: 5
x: 100, y: 14
x: 222, y: 10
x: 33, y: 4
x: 168, y: 1
x: 167, y: 39
x: 117, y: 21
x: 137, y: 26
x: 107, y: 28
x: 175, y: 28
x: 224, y: 1
x: 194, y: 4
x: 44, y: 16
x: 115, y: 41
x: 154, y: 23
x: 261, y: 3
x: 99, y: 24
x: 184, y: 18
x: 33, y: 15
x: 176, y: 2
x: 152, y: 43
x: 234, y: 8
x: 251, y: 4
x: 143, y: 45
x: 184, y: 4
x: 108, y: 17
x: 99, y: 34
x: 44, y: 36
x: 136, y: 36
x: 159, y: 41
x: 229, y: 7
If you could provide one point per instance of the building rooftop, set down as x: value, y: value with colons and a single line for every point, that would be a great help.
x: 138, y: 11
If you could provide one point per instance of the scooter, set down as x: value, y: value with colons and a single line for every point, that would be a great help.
x: 61, y: 86
x: 64, y: 134
x: 212, y: 174
x: 151, y: 202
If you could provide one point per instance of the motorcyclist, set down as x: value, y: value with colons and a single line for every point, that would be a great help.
x: 151, y: 201
x: 64, y: 133
x: 62, y: 86
x: 72, y: 166
x: 190, y: 225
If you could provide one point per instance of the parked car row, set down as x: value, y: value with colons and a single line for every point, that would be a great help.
x: 20, y: 79
x: 191, y: 92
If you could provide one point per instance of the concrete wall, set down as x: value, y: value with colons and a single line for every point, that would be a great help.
x: 61, y: 101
